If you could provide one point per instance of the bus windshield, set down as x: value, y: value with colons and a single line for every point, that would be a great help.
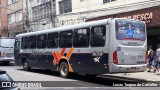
x: 130, y: 30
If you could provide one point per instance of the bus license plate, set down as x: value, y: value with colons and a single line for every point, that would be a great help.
x: 132, y: 68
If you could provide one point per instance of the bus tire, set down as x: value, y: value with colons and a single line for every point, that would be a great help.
x: 25, y: 66
x: 63, y: 69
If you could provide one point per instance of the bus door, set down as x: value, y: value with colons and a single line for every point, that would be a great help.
x: 17, y: 55
x: 40, y: 57
x: 99, y: 48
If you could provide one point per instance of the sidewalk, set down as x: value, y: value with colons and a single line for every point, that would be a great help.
x: 146, y: 76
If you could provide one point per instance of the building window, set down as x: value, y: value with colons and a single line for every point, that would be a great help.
x: 81, y: 0
x: 65, y: 39
x: 12, y: 1
x: 38, y: 1
x: 11, y: 18
x: 52, y: 40
x: 43, y: 1
x: 42, y: 11
x: 65, y: 6
x: 81, y: 37
x: 9, y: 2
x: 18, y: 16
x: 98, y: 35
x: 106, y: 1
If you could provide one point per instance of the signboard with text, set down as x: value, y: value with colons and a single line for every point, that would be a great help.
x: 149, y: 15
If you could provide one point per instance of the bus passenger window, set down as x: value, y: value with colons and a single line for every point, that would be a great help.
x: 52, y: 40
x: 41, y: 41
x: 65, y: 39
x: 32, y: 42
x: 98, y: 36
x: 81, y: 37
x: 24, y: 42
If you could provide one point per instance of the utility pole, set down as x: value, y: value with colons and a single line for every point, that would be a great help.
x: 27, y: 17
x: 53, y: 12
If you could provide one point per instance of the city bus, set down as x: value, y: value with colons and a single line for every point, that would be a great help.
x: 6, y: 50
x: 105, y: 46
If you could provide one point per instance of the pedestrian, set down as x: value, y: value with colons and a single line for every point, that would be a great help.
x: 157, y: 59
x: 150, y: 58
x: 154, y: 62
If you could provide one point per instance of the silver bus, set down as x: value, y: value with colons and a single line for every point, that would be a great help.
x: 97, y: 47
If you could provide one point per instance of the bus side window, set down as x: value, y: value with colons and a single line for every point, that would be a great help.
x: 41, y: 41
x: 32, y: 42
x: 98, y: 36
x: 65, y: 39
x: 24, y: 43
x: 81, y: 37
x: 52, y: 40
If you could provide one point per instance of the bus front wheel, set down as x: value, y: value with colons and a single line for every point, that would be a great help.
x: 25, y: 66
x: 63, y: 69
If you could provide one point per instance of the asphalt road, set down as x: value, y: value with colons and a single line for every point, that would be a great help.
x: 51, y: 80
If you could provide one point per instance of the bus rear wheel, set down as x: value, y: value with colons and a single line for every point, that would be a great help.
x: 63, y: 69
x: 25, y: 66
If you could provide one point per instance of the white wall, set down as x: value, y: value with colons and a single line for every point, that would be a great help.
x: 88, y: 5
x: 95, y: 8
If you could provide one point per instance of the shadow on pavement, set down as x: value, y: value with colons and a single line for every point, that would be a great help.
x: 10, y: 64
x: 98, y: 81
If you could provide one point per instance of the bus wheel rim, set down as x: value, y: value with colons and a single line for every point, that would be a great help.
x: 64, y: 70
x: 25, y: 65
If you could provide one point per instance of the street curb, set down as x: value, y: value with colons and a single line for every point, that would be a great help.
x: 127, y: 78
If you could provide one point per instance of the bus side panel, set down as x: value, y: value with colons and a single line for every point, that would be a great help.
x: 86, y: 63
x: 99, y: 66
x: 80, y: 62
x: 20, y: 57
x: 50, y: 64
x: 41, y: 61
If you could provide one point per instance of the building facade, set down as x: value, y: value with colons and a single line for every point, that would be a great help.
x: 41, y: 14
x: 3, y: 19
x: 77, y: 11
x: 16, y: 17
x: 34, y: 15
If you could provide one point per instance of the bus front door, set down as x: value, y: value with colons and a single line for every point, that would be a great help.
x: 16, y: 53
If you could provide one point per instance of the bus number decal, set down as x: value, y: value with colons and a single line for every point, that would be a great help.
x: 96, y: 59
x: 97, y: 53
